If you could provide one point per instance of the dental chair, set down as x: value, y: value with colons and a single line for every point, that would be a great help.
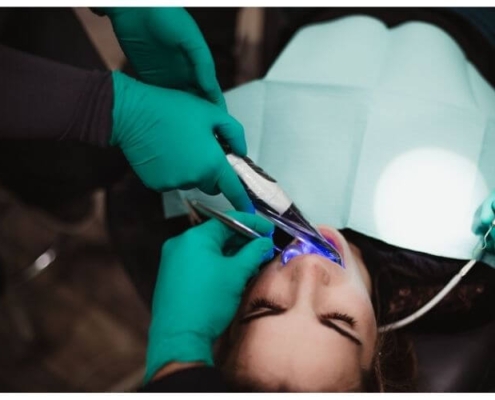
x: 459, y: 362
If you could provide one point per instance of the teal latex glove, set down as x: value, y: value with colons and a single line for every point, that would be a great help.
x: 483, y: 219
x: 199, y: 288
x: 167, y: 49
x: 168, y: 137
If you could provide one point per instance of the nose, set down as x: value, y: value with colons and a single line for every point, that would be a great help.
x: 309, y: 277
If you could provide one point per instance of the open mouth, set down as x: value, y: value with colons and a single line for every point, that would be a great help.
x: 302, y: 247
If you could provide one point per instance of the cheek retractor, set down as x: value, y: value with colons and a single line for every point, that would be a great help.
x: 302, y: 247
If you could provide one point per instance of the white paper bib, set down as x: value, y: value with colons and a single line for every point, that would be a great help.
x: 390, y: 132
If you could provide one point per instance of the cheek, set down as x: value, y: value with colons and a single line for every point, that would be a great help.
x: 266, y: 276
x: 357, y: 282
x: 269, y: 271
x: 367, y: 319
x: 355, y: 296
x: 269, y: 283
x: 366, y: 313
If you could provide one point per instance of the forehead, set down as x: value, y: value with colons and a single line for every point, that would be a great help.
x: 302, y: 353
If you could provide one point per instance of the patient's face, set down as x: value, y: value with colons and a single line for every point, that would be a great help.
x: 306, y: 326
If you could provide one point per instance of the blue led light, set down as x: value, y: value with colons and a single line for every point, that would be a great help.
x: 291, y: 251
x: 299, y: 248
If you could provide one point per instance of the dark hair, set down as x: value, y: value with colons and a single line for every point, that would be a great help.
x: 394, y: 368
x: 403, y: 281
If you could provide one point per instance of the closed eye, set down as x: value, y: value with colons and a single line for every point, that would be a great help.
x: 263, y: 307
x: 262, y: 302
x: 343, y: 317
x: 327, y: 320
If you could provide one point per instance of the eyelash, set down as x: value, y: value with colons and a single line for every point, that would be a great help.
x: 262, y: 302
x: 343, y: 317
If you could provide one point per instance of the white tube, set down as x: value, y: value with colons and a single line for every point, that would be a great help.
x: 432, y: 303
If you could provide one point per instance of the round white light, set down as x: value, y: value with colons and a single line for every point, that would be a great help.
x: 425, y: 200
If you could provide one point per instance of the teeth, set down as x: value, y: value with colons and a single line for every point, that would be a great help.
x: 303, y: 247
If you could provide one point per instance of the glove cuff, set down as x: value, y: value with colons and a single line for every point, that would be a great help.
x: 122, y: 85
x: 186, y: 347
x: 100, y: 11
x: 108, y: 11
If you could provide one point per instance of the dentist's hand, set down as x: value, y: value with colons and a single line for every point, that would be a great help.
x: 199, y: 288
x: 167, y: 49
x: 483, y: 219
x: 168, y: 137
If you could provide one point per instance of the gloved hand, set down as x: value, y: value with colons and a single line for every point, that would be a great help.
x: 483, y: 219
x: 167, y: 49
x: 168, y: 137
x: 199, y: 288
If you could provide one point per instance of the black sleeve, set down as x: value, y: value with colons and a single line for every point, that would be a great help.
x: 196, y: 379
x: 42, y: 99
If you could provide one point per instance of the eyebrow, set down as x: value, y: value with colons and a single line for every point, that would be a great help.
x: 325, y: 322
x: 343, y: 332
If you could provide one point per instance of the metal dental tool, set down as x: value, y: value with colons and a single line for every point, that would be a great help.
x: 485, y: 238
x: 269, y: 199
x: 478, y: 255
x: 227, y: 220
x: 307, y: 241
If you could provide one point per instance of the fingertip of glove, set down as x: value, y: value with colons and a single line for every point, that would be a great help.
x: 219, y: 100
x: 266, y: 249
x: 250, y: 208
x: 242, y: 202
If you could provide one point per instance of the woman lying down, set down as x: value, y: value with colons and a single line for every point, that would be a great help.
x: 309, y: 325
x: 312, y: 326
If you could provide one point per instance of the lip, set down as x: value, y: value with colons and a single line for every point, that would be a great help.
x: 334, y: 240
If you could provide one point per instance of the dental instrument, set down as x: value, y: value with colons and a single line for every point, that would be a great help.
x: 307, y: 242
x: 270, y: 200
x: 301, y: 246
x: 227, y: 220
x: 478, y: 255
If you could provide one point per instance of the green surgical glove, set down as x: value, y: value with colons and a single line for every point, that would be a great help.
x: 168, y: 137
x: 483, y: 219
x: 167, y: 49
x: 199, y: 288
